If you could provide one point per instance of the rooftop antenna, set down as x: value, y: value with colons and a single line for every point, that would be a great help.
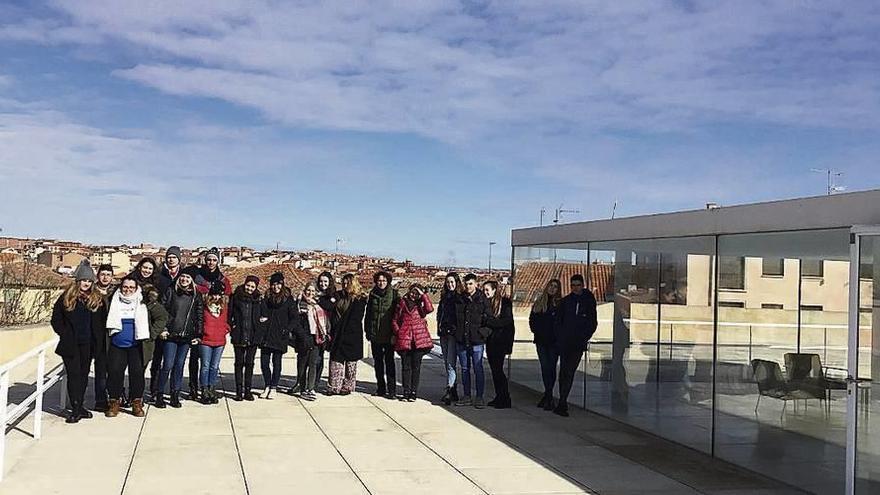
x: 831, y: 185
x: 560, y: 211
x: 543, y: 211
x: 614, y: 209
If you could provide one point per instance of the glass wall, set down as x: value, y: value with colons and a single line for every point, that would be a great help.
x: 734, y: 345
x: 868, y: 399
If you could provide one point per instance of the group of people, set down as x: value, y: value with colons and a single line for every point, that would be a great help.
x: 160, y: 314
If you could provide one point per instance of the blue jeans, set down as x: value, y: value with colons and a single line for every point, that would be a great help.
x: 210, y: 370
x: 450, y: 354
x: 173, y: 358
x: 472, y: 356
x: 548, y: 356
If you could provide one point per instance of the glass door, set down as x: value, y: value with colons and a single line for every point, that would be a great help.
x: 863, y: 382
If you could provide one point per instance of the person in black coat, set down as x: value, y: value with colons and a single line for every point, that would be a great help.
x: 541, y: 320
x: 446, y: 330
x: 347, y: 336
x: 499, y: 344
x: 576, y: 321
x: 278, y: 316
x: 78, y: 318
x: 186, y: 323
x: 244, y: 320
x: 104, y: 285
x: 146, y: 272
x: 471, y: 332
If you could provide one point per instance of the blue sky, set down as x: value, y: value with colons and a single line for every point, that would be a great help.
x: 420, y: 129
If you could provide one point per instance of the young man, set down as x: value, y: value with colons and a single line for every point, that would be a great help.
x: 576, y: 321
x: 167, y: 279
x: 471, y: 312
x: 381, y: 303
x: 104, y: 285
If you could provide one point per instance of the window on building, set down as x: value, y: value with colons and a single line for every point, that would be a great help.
x: 771, y: 306
x: 731, y: 272
x: 811, y: 307
x: 731, y: 304
x: 813, y: 268
x: 773, y: 267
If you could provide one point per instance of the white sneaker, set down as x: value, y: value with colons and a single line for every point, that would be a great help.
x: 267, y: 393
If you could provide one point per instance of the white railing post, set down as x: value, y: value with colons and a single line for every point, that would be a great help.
x: 41, y: 386
x: 4, y: 404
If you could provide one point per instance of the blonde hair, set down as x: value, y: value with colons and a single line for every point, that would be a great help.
x: 545, y: 300
x: 71, y: 295
x: 355, y: 290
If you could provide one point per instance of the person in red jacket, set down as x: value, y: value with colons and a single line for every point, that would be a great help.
x: 411, y: 337
x: 213, y: 341
x: 205, y: 277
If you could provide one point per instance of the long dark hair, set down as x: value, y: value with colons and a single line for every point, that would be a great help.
x: 136, y: 273
x: 496, y: 299
x: 331, y: 289
x: 459, y: 288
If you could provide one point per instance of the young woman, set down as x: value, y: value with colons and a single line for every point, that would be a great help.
x: 499, y: 344
x: 128, y: 324
x: 327, y: 300
x: 381, y: 305
x: 347, y: 336
x: 313, y: 333
x: 78, y: 318
x: 205, y: 277
x: 185, y: 327
x: 446, y: 322
x: 412, y: 340
x: 541, y: 321
x: 146, y: 272
x: 244, y: 318
x: 278, y: 315
x: 158, y: 321
x: 213, y: 341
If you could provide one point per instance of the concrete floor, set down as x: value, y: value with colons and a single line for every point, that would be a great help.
x: 359, y: 444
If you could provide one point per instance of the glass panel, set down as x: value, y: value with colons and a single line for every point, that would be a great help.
x: 868, y: 400
x: 622, y: 362
x: 776, y: 337
x: 533, y: 267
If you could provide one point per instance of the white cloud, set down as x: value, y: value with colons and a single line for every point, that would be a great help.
x: 462, y: 71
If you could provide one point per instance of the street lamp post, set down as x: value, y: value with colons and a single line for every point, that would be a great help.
x: 491, y: 243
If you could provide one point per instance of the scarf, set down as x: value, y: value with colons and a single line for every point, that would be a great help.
x: 319, y: 324
x: 122, y: 307
x: 215, y: 309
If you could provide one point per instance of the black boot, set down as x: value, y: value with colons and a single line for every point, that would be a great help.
x: 454, y: 395
x: 159, y: 400
x: 73, y: 417
x: 175, y: 399
x: 83, y: 413
x: 194, y: 392
x: 205, y: 396
x: 248, y: 394
x: 239, y: 393
x: 215, y: 397
x: 550, y: 405
x: 447, y: 397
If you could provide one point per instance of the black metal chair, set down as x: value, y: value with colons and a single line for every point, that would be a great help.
x: 773, y: 383
x: 805, y: 372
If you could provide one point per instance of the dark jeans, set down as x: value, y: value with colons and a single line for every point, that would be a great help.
x: 173, y: 359
x: 411, y: 368
x: 194, y: 362
x: 499, y: 379
x: 76, y: 367
x: 471, y: 356
x: 244, y: 366
x: 156, y: 364
x: 568, y: 365
x: 271, y: 373
x: 306, y: 364
x: 118, y: 359
x: 548, y: 356
x: 99, y: 351
x: 319, y: 365
x: 383, y: 362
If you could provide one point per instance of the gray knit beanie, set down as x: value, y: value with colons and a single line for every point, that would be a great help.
x: 84, y: 271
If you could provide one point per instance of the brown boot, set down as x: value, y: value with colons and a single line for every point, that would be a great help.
x: 137, y: 408
x: 112, y: 409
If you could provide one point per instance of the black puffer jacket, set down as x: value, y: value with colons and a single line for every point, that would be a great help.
x: 470, y: 314
x: 186, y: 318
x: 576, y: 321
x: 282, y: 318
x: 244, y: 317
x: 541, y: 325
x: 64, y: 326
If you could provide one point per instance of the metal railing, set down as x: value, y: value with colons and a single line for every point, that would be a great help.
x: 43, y: 383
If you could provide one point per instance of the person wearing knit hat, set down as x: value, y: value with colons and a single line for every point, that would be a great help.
x: 252, y: 278
x: 213, y: 341
x: 276, y: 278
x: 165, y: 282
x: 78, y: 318
x: 279, y: 314
x: 84, y: 271
x: 244, y: 320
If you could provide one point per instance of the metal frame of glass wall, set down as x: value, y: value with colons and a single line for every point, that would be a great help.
x: 732, y: 342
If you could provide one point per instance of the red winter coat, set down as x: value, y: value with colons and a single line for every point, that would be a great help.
x: 410, y: 327
x: 216, y: 328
